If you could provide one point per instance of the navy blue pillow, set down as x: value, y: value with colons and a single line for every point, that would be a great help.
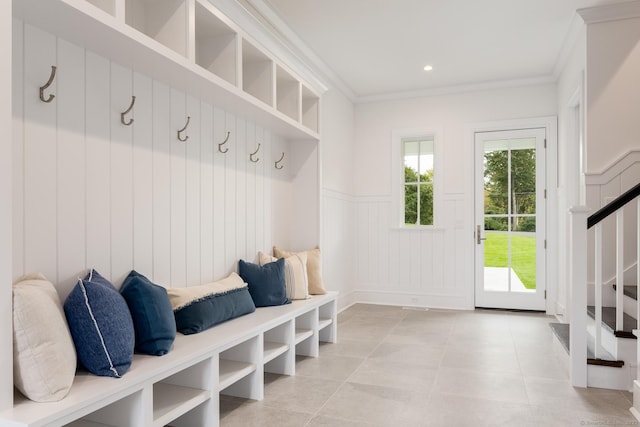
x: 153, y: 321
x: 101, y: 326
x: 267, y: 284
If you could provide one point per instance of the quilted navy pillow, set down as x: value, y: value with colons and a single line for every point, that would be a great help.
x: 153, y: 321
x: 101, y: 326
x: 267, y: 284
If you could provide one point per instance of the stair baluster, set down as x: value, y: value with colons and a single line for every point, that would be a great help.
x: 598, y: 291
x: 620, y: 269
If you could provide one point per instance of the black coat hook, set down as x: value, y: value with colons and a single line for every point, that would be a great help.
x: 224, y: 142
x: 47, y: 84
x: 278, y: 166
x: 253, y: 154
x: 128, y: 123
x: 180, y: 138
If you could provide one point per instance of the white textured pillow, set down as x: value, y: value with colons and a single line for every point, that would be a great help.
x: 44, y: 358
x: 295, y: 271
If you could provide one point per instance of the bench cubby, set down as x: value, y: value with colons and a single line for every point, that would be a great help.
x: 182, y: 388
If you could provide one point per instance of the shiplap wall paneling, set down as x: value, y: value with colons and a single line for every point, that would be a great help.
x: 162, y: 139
x: 257, y: 202
x: 362, y: 213
x: 218, y: 196
x: 6, y: 172
x: 39, y: 155
x: 143, y: 172
x: 178, y: 187
x: 250, y: 203
x: 71, y: 165
x: 242, y: 166
x: 194, y: 160
x: 18, y: 148
x: 281, y: 196
x: 206, y: 193
x: 121, y: 175
x: 229, y: 201
x: 98, y: 164
x: 263, y: 201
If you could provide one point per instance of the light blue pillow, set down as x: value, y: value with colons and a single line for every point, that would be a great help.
x: 267, y: 284
x: 101, y: 326
x: 153, y: 321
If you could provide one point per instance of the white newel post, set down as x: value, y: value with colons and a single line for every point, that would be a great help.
x: 578, y: 281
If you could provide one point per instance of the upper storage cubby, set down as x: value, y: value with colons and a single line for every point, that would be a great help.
x: 191, y: 46
x: 106, y: 5
x: 287, y: 94
x: 216, y: 43
x: 164, y: 21
x: 257, y: 73
x: 310, y: 109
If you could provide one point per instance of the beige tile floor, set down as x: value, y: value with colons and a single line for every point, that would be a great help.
x: 395, y: 367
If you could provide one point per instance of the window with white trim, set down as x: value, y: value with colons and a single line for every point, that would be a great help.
x: 418, y: 162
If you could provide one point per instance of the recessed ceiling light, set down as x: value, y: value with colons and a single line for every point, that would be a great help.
x: 428, y: 67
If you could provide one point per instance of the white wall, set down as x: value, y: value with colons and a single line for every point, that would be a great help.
x: 570, y: 92
x: 91, y: 192
x: 435, y: 267
x: 613, y: 92
x: 338, y: 206
x: 6, y: 336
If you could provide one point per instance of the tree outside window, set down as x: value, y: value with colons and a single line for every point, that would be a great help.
x: 418, y: 181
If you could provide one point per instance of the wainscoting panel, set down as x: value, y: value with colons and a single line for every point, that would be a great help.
x: 90, y: 191
x: 427, y: 267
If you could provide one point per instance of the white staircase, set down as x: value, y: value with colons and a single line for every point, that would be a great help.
x: 603, y: 323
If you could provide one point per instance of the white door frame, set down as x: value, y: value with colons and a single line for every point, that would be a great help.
x: 550, y: 123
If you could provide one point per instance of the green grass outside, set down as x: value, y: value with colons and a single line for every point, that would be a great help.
x: 523, y: 255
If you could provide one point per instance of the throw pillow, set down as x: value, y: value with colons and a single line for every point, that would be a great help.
x: 44, y: 359
x: 101, y: 326
x: 197, y: 308
x: 314, y: 268
x: 267, y: 284
x: 295, y: 272
x: 151, y: 312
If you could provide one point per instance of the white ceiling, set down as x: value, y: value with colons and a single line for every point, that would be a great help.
x: 379, y: 47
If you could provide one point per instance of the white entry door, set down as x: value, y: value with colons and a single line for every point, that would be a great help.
x: 510, y: 219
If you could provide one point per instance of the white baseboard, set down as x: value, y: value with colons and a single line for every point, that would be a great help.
x: 451, y: 302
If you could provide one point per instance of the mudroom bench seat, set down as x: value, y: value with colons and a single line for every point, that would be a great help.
x: 182, y: 388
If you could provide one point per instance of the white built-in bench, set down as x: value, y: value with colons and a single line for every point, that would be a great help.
x: 183, y: 386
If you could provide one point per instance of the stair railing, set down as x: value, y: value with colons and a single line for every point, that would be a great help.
x: 579, y: 224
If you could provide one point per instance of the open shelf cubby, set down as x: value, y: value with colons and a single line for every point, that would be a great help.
x: 306, y: 327
x: 287, y: 94
x: 278, y: 353
x: 257, y: 73
x: 327, y: 316
x: 126, y: 412
x: 216, y: 43
x: 237, y: 370
x: 108, y: 6
x: 164, y: 21
x: 310, y: 109
x: 179, y: 393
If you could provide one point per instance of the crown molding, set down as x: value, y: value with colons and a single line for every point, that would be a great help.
x: 464, y: 88
x: 610, y: 12
x: 574, y: 35
x: 286, y: 45
x: 243, y: 14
